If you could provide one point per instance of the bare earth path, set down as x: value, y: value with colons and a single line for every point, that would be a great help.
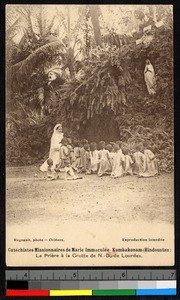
x: 91, y: 212
x: 29, y: 197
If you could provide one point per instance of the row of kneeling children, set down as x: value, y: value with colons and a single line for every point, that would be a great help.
x: 114, y: 159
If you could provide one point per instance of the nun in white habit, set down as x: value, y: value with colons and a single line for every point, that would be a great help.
x: 54, y: 148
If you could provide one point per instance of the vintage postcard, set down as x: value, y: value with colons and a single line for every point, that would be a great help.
x: 89, y: 135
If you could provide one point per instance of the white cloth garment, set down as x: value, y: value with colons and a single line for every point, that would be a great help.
x: 150, y: 78
x: 54, y: 148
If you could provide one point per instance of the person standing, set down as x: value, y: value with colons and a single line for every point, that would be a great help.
x: 54, y: 148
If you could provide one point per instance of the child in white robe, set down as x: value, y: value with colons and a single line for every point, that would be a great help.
x: 71, y: 149
x: 94, y: 154
x: 109, y: 147
x: 150, y: 164
x: 120, y: 144
x: 139, y: 160
x: 77, y: 164
x: 87, y: 159
x: 118, y: 161
x: 104, y: 160
x: 52, y: 173
x: 128, y: 163
x: 65, y: 159
x: 82, y: 156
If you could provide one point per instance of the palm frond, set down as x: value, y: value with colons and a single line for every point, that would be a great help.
x: 12, y: 28
x: 40, y: 55
x: 49, y: 27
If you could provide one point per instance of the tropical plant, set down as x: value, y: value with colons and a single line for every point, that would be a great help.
x: 106, y: 86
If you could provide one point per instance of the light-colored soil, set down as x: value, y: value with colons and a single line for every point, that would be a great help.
x: 30, y: 197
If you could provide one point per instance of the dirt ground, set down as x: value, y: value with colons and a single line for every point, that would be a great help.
x: 30, y: 197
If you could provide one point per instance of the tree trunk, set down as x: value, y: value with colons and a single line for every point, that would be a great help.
x: 94, y: 14
x: 152, y: 11
x: 70, y: 53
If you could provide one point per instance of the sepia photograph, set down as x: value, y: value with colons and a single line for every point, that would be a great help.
x: 89, y: 135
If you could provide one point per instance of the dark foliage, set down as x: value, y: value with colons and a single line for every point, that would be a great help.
x: 109, y: 92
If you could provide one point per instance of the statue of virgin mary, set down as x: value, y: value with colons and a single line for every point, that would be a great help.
x: 150, y: 78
